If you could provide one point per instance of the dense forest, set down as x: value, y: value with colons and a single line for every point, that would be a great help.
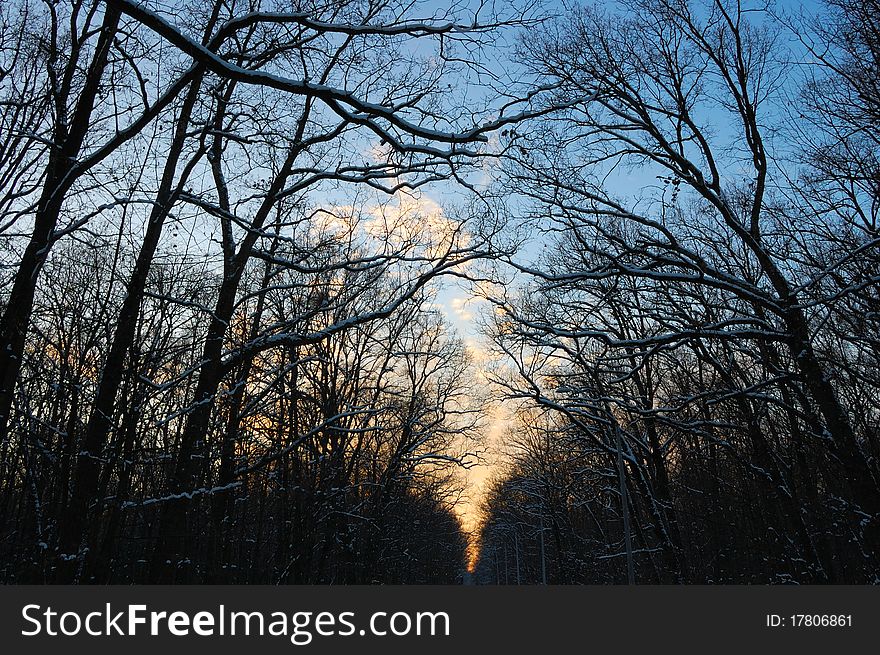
x: 228, y: 230
x: 696, y: 362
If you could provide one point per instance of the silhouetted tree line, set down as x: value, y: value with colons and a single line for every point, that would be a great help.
x: 220, y: 359
x: 695, y: 351
x: 221, y: 356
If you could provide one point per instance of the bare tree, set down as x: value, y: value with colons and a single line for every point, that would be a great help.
x: 707, y: 292
x: 278, y: 154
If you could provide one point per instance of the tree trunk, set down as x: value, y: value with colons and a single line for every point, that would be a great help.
x: 60, y: 175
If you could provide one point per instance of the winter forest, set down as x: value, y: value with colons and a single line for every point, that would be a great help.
x: 408, y: 291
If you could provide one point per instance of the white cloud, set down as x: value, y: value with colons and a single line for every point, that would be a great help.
x: 459, y: 306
